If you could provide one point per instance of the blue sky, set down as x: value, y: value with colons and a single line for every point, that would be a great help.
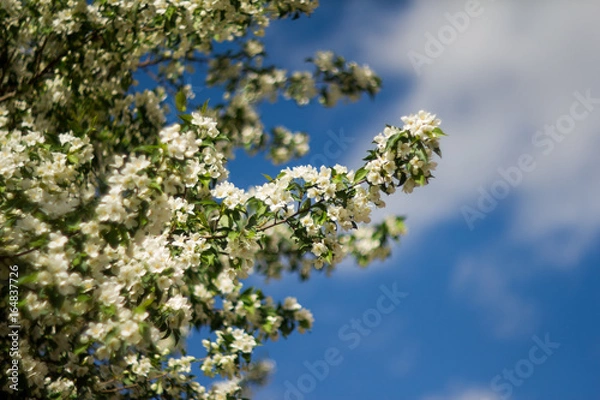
x: 499, y: 272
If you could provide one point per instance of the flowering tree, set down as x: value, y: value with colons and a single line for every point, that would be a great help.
x: 119, y: 232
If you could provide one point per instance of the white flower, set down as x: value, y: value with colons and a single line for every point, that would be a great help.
x: 57, y: 241
x: 340, y: 169
x: 421, y: 124
x: 232, y: 196
x: 222, y: 390
x: 307, y: 221
x: 135, y: 164
x: 111, y: 207
x: 291, y: 304
x: 62, y: 386
x: 253, y: 47
x: 242, y: 341
x: 209, y: 124
x: 324, y: 61
x: 96, y: 330
x: 224, y: 283
x: 202, y: 293
x: 170, y: 133
x: 178, y: 302
x: 304, y: 316
x: 142, y: 367
x: 110, y: 293
x: 318, y: 249
x: 65, y: 138
x: 130, y: 331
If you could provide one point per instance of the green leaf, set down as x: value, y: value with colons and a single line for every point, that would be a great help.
x: 203, y: 220
x: 142, y: 307
x: 146, y: 149
x: 28, y: 279
x: 305, y: 205
x: 186, y: 118
x: 208, y: 259
x: 39, y: 242
x: 156, y: 186
x: 438, y: 132
x: 328, y: 257
x: 81, y: 349
x: 360, y: 175
x: 204, y: 106
x: 82, y: 298
x: 180, y: 101
x: 112, y: 237
x: 393, y: 141
x: 268, y: 177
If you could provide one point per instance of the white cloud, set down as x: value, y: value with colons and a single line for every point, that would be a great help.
x: 490, y: 289
x: 512, y: 71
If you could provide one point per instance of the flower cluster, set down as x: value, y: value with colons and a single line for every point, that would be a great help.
x: 126, y: 229
x: 343, y: 78
x: 405, y: 154
x: 317, y: 205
